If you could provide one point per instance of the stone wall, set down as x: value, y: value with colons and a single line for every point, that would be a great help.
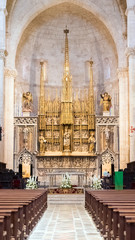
x: 44, y: 40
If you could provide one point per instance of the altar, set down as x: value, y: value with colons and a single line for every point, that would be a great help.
x: 55, y: 178
x: 66, y: 135
x: 51, y: 168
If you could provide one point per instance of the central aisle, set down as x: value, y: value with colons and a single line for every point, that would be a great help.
x: 65, y: 222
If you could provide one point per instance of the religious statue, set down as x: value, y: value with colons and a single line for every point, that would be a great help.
x: 26, y: 135
x: 107, y: 135
x: 42, y: 142
x: 106, y: 101
x: 66, y: 139
x: 92, y: 142
x: 27, y: 101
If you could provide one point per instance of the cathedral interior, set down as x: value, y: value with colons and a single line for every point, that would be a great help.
x: 67, y: 119
x: 67, y: 87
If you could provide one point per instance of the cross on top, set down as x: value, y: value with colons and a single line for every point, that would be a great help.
x: 66, y: 31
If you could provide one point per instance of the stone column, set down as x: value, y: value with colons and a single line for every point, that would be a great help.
x: 131, y: 61
x: 123, y: 116
x: 10, y: 75
x: 2, y: 58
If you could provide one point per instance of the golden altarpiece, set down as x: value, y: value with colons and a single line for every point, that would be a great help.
x: 66, y: 136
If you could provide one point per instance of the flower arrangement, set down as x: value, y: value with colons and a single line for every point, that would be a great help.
x: 66, y: 182
x: 31, y: 183
x: 96, y: 183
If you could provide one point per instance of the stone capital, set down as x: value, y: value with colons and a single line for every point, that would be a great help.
x: 122, y: 73
x: 132, y: 8
x: 4, y: 10
x: 2, y: 53
x: 130, y: 51
x: 10, y: 73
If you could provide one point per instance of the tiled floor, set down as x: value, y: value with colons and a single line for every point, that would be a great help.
x: 65, y: 222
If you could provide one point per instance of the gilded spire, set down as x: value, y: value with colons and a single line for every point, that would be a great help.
x: 91, y: 110
x: 66, y: 66
x: 91, y: 90
x: 42, y: 93
x: 67, y: 78
x: 66, y: 97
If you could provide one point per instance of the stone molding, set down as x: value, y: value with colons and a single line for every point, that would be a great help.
x: 66, y: 162
x: 10, y: 73
x: 25, y: 121
x: 130, y: 51
x: 107, y: 120
x: 122, y: 73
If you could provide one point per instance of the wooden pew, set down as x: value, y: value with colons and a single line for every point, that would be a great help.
x: 19, y: 212
x: 106, y: 208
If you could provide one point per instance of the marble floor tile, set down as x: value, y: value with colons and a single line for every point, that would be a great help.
x: 65, y: 222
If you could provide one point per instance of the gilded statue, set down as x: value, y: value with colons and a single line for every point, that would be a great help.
x: 27, y: 101
x: 92, y: 142
x: 66, y: 139
x: 106, y: 101
x: 42, y: 142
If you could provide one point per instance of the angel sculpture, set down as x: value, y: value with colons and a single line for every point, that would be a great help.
x: 27, y: 101
x: 106, y: 101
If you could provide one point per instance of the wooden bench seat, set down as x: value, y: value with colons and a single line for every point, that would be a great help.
x: 19, y: 212
x: 113, y: 212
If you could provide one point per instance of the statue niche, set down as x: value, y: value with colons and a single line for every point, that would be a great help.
x: 67, y: 140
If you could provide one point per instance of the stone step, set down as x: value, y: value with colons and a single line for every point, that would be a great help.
x: 66, y: 199
x: 66, y: 203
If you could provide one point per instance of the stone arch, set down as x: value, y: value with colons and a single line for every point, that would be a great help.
x: 41, y: 6
x: 25, y: 157
x: 107, y: 156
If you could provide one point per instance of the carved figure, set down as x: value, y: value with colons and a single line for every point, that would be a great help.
x: 26, y: 134
x: 107, y: 135
x: 92, y: 141
x: 42, y: 142
x: 27, y: 101
x: 106, y: 101
x: 66, y: 139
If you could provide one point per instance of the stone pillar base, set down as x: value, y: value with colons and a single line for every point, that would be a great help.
x: 26, y: 114
x: 106, y: 113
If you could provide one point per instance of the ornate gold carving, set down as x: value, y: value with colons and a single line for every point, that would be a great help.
x: 42, y: 95
x: 92, y: 142
x: 66, y: 162
x: 42, y: 142
x: 66, y: 98
x: 91, y: 110
x: 67, y: 139
x: 66, y: 123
